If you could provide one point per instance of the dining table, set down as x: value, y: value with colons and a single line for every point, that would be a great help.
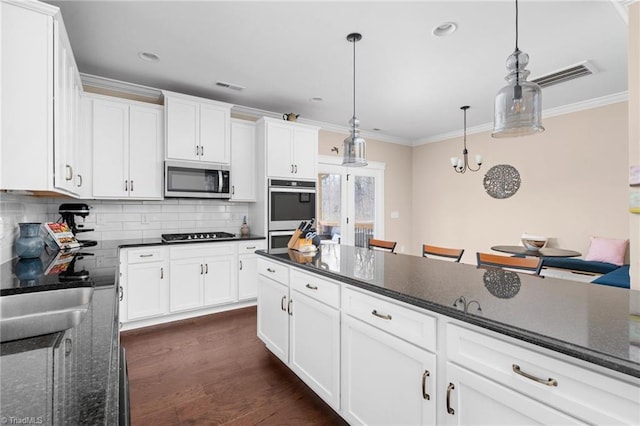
x: 543, y: 252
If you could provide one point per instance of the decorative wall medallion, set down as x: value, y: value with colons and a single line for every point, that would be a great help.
x: 502, y: 181
x: 502, y: 284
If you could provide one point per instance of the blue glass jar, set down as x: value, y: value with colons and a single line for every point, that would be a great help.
x: 29, y: 244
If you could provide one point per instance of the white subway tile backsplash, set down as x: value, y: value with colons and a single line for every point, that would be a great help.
x: 120, y: 219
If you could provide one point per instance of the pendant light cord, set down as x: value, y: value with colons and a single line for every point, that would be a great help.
x: 465, y: 130
x: 354, y: 83
x: 516, y: 25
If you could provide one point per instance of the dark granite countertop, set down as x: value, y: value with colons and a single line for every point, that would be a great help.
x: 594, y: 323
x: 69, y: 376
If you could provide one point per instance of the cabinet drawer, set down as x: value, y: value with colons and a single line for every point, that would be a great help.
x: 151, y: 254
x: 579, y: 391
x: 249, y: 247
x: 412, y: 326
x: 317, y: 288
x: 274, y: 270
x: 197, y: 250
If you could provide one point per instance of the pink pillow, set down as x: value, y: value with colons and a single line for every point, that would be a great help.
x: 608, y: 250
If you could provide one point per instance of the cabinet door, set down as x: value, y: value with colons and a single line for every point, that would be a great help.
x: 110, y: 154
x: 145, y: 152
x: 219, y: 279
x: 247, y: 276
x: 186, y: 284
x: 383, y: 378
x: 475, y: 400
x: 214, y: 134
x: 315, y: 346
x: 279, y: 150
x: 146, y: 290
x: 273, y: 319
x: 183, y: 129
x: 243, y: 161
x: 305, y: 153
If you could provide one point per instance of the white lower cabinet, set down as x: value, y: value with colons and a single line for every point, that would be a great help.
x: 164, y: 283
x: 299, y: 321
x: 385, y: 380
x: 248, y: 269
x: 144, y: 287
x: 475, y: 400
x: 273, y: 317
x: 202, y: 275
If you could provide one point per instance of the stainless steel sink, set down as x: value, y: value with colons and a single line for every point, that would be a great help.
x: 42, y: 312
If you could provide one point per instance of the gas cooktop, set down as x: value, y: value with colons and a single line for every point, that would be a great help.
x: 197, y: 236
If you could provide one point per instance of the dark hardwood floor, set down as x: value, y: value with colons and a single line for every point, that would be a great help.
x: 214, y: 370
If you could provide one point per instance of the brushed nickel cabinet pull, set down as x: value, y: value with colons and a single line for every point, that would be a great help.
x: 271, y: 270
x: 146, y: 255
x: 549, y: 382
x: 289, y: 307
x: 132, y: 185
x: 250, y: 248
x: 162, y: 273
x: 385, y: 316
x: 201, y: 269
x: 197, y: 150
x: 80, y: 181
x: 206, y: 268
x: 284, y: 298
x: 69, y: 175
x: 121, y: 291
x: 295, y: 166
x: 233, y: 189
x: 292, y: 168
x: 241, y: 265
x: 311, y: 287
x: 425, y: 395
x: 126, y: 186
x: 449, y: 389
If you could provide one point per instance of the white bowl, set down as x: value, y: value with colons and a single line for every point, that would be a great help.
x: 533, y: 242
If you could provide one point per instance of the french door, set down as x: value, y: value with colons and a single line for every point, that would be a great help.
x: 350, y: 202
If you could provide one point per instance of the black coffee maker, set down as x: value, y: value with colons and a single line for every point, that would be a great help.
x: 68, y: 212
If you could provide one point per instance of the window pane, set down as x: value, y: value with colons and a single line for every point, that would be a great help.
x: 365, y: 209
x: 330, y: 214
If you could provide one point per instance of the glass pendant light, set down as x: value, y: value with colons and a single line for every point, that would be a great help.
x: 518, y: 105
x: 354, y: 148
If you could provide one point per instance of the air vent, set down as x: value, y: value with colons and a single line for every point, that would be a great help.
x: 231, y: 86
x: 575, y: 71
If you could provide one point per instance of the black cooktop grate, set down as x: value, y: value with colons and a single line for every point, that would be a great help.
x: 197, y: 236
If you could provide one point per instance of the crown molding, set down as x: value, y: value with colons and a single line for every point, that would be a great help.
x: 255, y: 112
x: 551, y: 112
x: 121, y: 86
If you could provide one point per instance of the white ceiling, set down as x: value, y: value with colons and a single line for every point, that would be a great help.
x: 410, y: 84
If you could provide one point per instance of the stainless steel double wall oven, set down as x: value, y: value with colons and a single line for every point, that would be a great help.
x: 290, y: 202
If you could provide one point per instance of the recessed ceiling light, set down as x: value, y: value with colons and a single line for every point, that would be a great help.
x: 148, y: 56
x: 316, y: 99
x: 228, y: 85
x: 445, y: 29
x: 375, y: 129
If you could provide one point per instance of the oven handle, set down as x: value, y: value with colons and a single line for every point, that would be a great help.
x: 220, y: 183
x: 290, y: 189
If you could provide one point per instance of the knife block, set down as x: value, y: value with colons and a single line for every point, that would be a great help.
x: 296, y: 242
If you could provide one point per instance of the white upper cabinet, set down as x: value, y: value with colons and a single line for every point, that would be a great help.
x: 291, y: 149
x: 41, y: 89
x: 127, y: 148
x: 243, y: 160
x: 197, y: 129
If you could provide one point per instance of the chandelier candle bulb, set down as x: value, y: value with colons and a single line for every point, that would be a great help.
x: 454, y: 161
x: 479, y: 159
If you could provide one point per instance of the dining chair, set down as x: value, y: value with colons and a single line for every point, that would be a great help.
x: 449, y: 253
x: 524, y: 264
x: 389, y: 246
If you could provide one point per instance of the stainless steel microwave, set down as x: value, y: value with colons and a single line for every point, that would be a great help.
x: 290, y: 202
x: 196, y: 180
